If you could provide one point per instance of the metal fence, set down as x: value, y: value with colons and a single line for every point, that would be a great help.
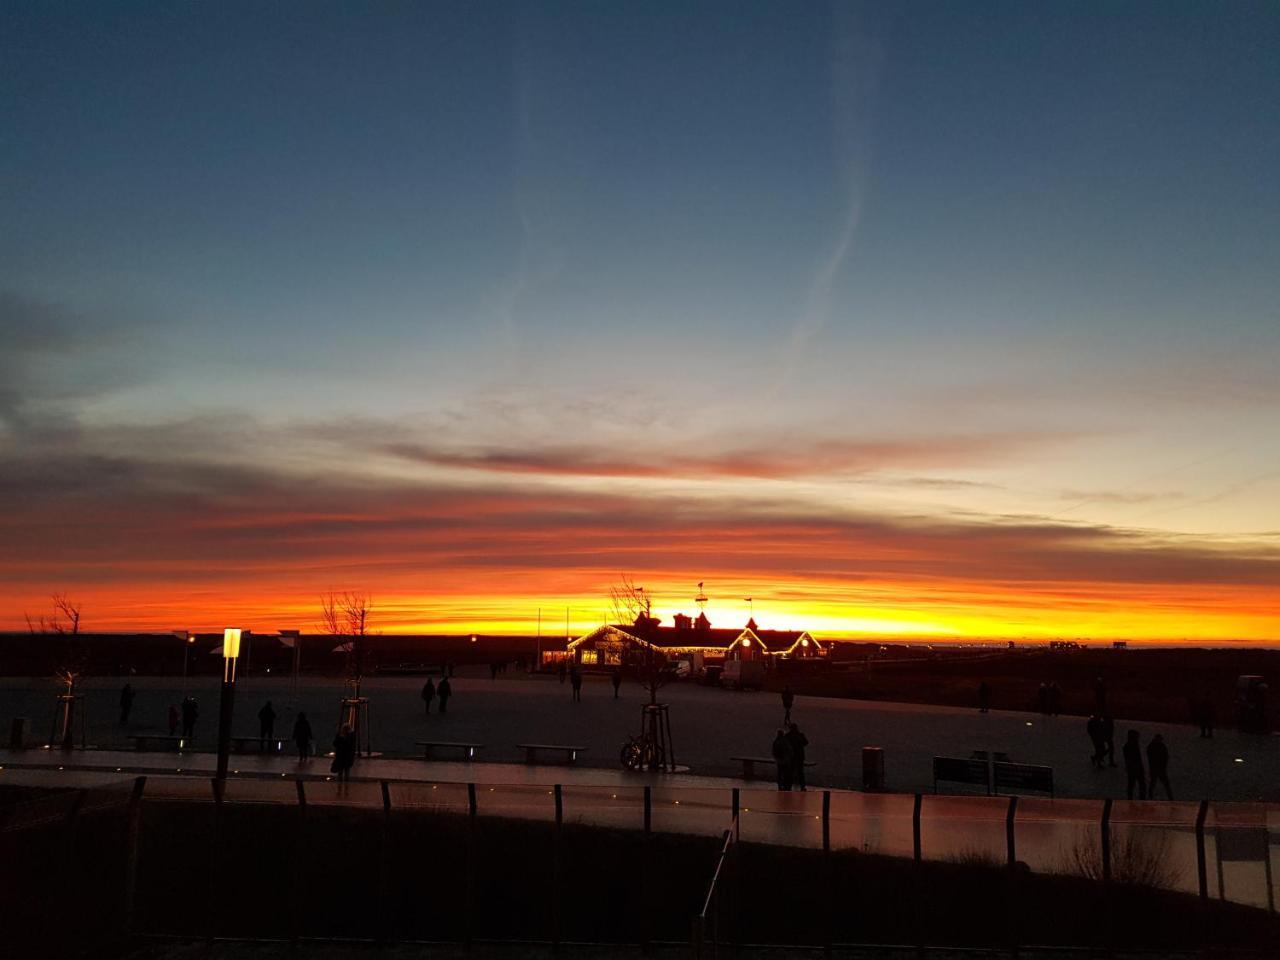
x: 74, y: 858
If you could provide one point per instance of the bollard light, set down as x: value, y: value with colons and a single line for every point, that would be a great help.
x: 230, y: 653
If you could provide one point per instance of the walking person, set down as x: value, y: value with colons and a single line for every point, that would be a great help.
x: 798, y: 742
x: 788, y: 698
x: 1158, y: 766
x: 266, y: 725
x: 1109, y: 739
x: 444, y: 690
x: 616, y: 679
x: 1094, y: 728
x: 344, y: 753
x: 782, y: 758
x: 302, y: 735
x: 575, y: 683
x: 428, y: 694
x: 126, y: 703
x: 1133, y: 766
x: 190, y: 714
x: 984, y: 697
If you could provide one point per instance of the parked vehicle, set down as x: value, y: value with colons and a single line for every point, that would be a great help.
x: 743, y: 674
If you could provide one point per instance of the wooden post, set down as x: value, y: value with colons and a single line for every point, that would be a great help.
x: 645, y: 873
x: 215, y: 859
x: 133, y: 830
x: 557, y: 882
x: 916, y: 849
x: 1012, y: 902
x: 473, y: 812
x: 384, y: 863
x: 299, y: 892
x: 1107, y: 892
x: 1202, y: 870
x: 829, y: 920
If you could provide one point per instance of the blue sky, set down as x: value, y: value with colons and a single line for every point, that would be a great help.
x: 1011, y: 259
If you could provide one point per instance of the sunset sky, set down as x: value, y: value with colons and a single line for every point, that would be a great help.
x: 933, y: 320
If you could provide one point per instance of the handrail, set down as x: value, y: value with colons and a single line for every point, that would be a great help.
x: 730, y: 836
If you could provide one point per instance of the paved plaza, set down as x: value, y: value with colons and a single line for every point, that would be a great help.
x: 710, y: 726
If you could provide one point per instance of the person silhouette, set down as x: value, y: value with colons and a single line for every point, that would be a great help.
x: 575, y: 683
x: 428, y: 693
x: 344, y: 753
x: 782, y: 758
x: 1158, y: 766
x: 984, y: 697
x: 302, y: 735
x: 127, y: 696
x: 616, y: 679
x: 1108, y: 729
x: 174, y: 719
x: 788, y: 698
x: 266, y: 725
x: 190, y: 714
x: 444, y: 690
x: 798, y: 742
x: 1133, y: 766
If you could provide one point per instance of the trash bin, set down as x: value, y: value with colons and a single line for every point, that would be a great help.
x: 872, y: 768
x: 16, y: 730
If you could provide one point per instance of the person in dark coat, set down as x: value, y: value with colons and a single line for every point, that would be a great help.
x: 984, y: 697
x: 1109, y: 739
x: 562, y: 671
x: 782, y: 758
x: 1158, y: 766
x: 344, y: 753
x: 616, y: 679
x: 266, y: 725
x: 127, y: 695
x: 788, y: 698
x: 1094, y: 728
x: 575, y: 683
x: 428, y: 693
x: 1133, y: 766
x: 798, y: 742
x: 444, y: 690
x: 302, y: 735
x: 190, y: 714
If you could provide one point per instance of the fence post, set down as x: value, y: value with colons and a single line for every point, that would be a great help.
x: 829, y: 922
x: 557, y: 881
x: 384, y: 862
x: 1202, y: 871
x: 132, y: 832
x: 645, y: 873
x: 299, y: 897
x: 473, y: 811
x: 737, y: 800
x: 1011, y: 901
x: 215, y: 858
x: 916, y: 850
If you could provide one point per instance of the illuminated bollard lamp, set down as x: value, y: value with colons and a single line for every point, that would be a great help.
x: 226, y: 704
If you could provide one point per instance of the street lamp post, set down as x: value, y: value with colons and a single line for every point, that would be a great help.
x: 188, y: 639
x: 226, y: 705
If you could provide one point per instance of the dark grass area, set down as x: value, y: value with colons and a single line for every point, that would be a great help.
x: 275, y: 871
x: 1142, y: 684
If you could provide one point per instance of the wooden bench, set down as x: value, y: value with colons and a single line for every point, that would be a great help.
x: 259, y: 744
x: 468, y: 749
x: 749, y: 766
x: 1022, y: 777
x: 140, y: 740
x: 956, y: 770
x: 531, y: 751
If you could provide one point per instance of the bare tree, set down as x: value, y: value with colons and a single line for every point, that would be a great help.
x: 349, y: 614
x: 632, y: 606
x: 65, y: 619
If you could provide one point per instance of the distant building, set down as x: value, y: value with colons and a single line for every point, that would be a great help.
x: 688, y: 638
